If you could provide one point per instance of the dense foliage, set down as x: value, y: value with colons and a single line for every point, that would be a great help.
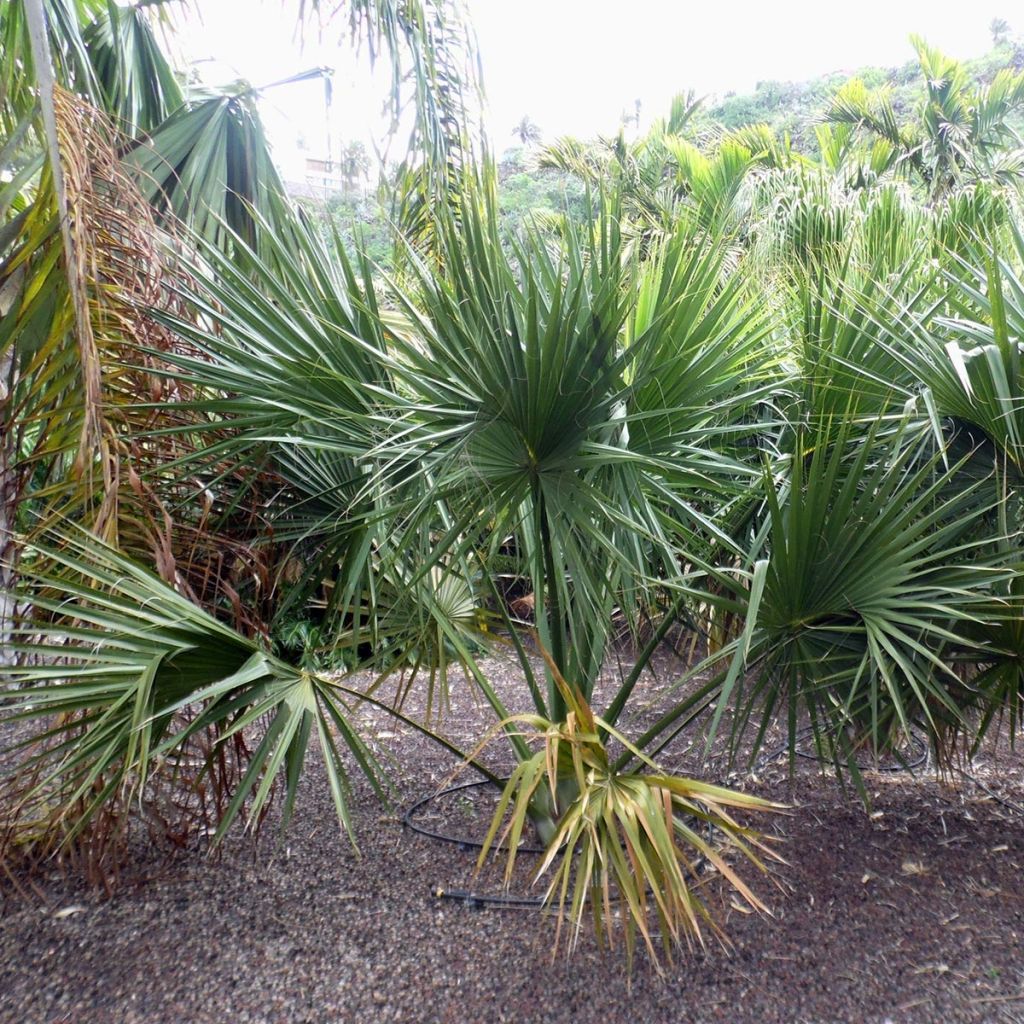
x: 770, y: 395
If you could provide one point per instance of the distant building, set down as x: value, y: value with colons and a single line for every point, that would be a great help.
x: 321, y: 180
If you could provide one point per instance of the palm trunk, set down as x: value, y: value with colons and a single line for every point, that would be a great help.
x: 9, y: 495
x: 10, y: 491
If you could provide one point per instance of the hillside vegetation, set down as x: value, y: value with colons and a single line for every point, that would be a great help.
x: 534, y: 182
x: 794, y: 107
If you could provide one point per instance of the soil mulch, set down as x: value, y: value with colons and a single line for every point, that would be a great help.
x: 908, y: 912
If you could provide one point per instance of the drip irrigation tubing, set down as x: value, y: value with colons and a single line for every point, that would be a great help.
x: 918, y: 743
x: 479, y: 900
x: 461, y: 842
x: 476, y: 900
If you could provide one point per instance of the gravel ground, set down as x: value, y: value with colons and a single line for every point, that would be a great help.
x: 912, y: 913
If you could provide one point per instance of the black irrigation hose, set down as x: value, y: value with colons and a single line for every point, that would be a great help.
x: 918, y: 743
x: 461, y: 842
x: 479, y: 900
x: 476, y: 900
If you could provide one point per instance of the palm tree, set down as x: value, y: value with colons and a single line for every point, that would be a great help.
x: 1000, y: 30
x: 664, y: 176
x: 163, y: 675
x: 964, y: 132
x: 527, y: 132
x: 353, y: 162
x: 65, y: 328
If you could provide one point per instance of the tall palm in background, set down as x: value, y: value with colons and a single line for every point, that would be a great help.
x: 1000, y: 30
x: 964, y: 133
x: 528, y: 133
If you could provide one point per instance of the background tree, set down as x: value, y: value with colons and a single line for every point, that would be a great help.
x: 964, y: 132
x: 354, y: 163
x: 527, y: 132
x: 1000, y: 30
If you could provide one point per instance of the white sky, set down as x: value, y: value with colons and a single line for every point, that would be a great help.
x: 574, y: 65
